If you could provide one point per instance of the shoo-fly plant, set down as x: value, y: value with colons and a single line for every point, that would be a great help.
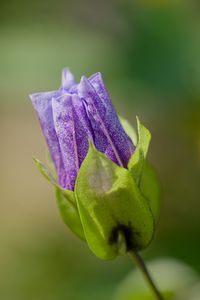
x: 106, y: 190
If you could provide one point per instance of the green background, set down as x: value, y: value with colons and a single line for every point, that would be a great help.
x: 148, y: 53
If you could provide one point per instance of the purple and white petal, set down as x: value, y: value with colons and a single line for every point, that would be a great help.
x: 111, y: 137
x: 72, y: 115
x: 73, y: 131
x: 68, y: 79
x: 97, y: 82
x: 92, y: 104
x: 42, y: 103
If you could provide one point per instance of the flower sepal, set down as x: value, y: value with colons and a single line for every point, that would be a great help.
x: 115, y: 216
x: 137, y: 160
x: 140, y: 168
x: 68, y: 209
x: 45, y: 172
x: 66, y: 202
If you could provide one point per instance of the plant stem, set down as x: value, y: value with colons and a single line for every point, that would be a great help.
x: 141, y: 265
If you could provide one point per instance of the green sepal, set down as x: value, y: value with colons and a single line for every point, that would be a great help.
x: 110, y: 204
x: 45, y: 172
x: 130, y: 131
x: 68, y: 209
x: 148, y: 181
x: 136, y: 162
x: 66, y: 202
x: 150, y: 188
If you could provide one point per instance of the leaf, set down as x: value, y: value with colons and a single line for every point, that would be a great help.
x: 136, y: 161
x: 45, y: 172
x: 110, y: 203
x: 68, y: 209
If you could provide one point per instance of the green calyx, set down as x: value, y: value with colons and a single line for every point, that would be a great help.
x: 111, y: 207
x: 68, y: 209
x: 66, y: 202
x: 143, y: 172
x: 137, y: 160
x: 114, y: 209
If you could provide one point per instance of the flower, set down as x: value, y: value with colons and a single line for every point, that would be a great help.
x: 74, y: 114
x: 107, y: 193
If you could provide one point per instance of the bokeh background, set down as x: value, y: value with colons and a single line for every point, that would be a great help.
x: 149, y: 54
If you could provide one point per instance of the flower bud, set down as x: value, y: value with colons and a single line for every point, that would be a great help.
x: 104, y: 187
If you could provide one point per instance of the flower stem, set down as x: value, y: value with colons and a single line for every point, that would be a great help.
x: 141, y: 265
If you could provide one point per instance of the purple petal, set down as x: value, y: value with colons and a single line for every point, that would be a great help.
x: 42, y: 103
x: 73, y: 131
x: 97, y: 82
x: 67, y: 79
x: 110, y: 137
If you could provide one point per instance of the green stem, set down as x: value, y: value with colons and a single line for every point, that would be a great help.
x: 141, y: 265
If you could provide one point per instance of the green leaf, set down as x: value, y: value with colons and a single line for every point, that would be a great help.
x: 68, y: 209
x: 130, y: 131
x: 45, y: 172
x: 110, y: 204
x: 150, y: 187
x: 137, y: 160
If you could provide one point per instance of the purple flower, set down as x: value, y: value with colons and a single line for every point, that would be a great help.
x: 72, y: 115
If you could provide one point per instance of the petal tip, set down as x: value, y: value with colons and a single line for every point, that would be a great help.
x: 96, y: 75
x: 34, y: 97
x: 67, y: 78
x: 84, y: 87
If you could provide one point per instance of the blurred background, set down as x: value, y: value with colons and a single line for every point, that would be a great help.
x: 148, y: 52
